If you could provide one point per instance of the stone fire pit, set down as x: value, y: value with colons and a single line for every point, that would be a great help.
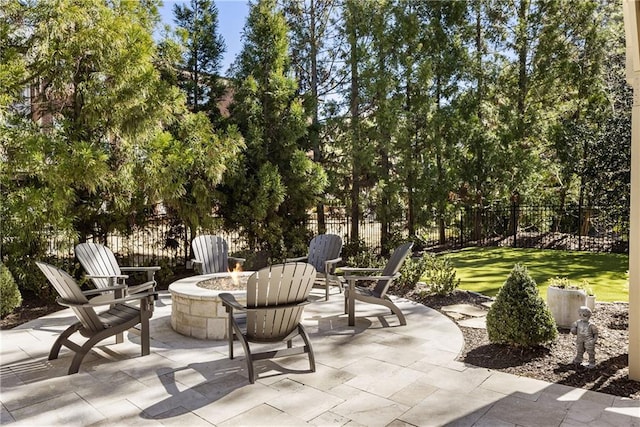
x: 196, y: 309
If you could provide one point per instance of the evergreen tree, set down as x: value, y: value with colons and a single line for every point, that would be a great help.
x: 519, y: 316
x: 270, y: 187
x: 90, y: 152
x: 480, y: 148
x: 197, y: 25
x: 314, y: 38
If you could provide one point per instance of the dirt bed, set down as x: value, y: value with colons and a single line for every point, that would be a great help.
x: 553, y: 363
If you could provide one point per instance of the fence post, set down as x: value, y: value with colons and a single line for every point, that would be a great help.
x: 580, y: 225
x: 515, y: 200
x: 461, y: 213
x: 186, y: 246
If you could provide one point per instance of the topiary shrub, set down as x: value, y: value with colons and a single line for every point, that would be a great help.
x: 519, y: 316
x: 10, y: 297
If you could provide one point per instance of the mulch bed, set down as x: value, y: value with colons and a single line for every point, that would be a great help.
x: 553, y: 362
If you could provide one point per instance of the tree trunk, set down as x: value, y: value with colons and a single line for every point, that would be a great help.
x: 314, y: 131
x: 355, y: 133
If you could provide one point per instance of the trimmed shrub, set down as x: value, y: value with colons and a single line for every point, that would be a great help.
x: 10, y: 297
x: 519, y: 316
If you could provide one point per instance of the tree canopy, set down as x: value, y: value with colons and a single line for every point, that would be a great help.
x: 400, y: 110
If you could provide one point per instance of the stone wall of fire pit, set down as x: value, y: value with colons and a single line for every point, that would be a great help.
x: 197, y: 311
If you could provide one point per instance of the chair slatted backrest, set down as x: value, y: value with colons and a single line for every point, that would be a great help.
x: 69, y: 290
x: 393, y: 266
x: 285, y: 285
x: 213, y: 252
x: 98, y: 260
x: 324, y: 247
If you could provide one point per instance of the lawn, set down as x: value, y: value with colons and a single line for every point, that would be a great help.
x: 484, y: 270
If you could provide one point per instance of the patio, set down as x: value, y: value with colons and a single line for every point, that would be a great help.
x: 371, y: 374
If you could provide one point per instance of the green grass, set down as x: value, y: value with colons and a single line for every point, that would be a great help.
x: 484, y: 270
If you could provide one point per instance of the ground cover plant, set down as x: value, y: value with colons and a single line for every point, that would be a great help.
x: 484, y: 270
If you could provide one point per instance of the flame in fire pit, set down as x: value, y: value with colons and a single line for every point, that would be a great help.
x: 235, y: 273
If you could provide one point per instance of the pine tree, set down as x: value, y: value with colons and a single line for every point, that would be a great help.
x: 273, y: 183
x: 103, y: 138
x: 197, y: 25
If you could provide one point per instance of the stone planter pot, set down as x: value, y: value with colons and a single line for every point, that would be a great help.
x: 591, y: 302
x: 564, y: 304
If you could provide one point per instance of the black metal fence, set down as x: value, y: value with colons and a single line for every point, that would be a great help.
x: 568, y: 228
x: 532, y: 226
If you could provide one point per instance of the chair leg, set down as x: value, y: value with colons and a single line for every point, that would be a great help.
x: 245, y: 347
x: 247, y: 352
x: 308, y: 348
x: 230, y: 334
x: 401, y: 317
x: 395, y: 310
x: 77, y: 360
x: 144, y: 327
x: 346, y: 301
x: 82, y: 352
x: 55, y: 349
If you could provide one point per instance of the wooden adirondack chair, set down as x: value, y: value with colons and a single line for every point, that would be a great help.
x: 94, y: 326
x: 276, y: 297
x: 104, y: 271
x: 211, y: 254
x: 324, y: 255
x: 377, y: 294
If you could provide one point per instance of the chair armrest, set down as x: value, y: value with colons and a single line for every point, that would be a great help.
x: 277, y: 307
x: 103, y: 290
x: 141, y: 287
x: 229, y: 301
x: 66, y: 303
x: 330, y: 265
x: 196, y: 265
x: 107, y: 276
x: 360, y: 278
x: 149, y: 268
x: 360, y: 269
x: 298, y: 259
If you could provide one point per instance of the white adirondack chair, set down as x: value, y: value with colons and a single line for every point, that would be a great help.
x: 211, y: 254
x: 119, y: 317
x: 276, y: 297
x: 377, y: 294
x: 103, y: 269
x: 324, y: 255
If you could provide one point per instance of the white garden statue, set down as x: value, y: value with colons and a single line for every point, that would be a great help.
x: 587, y: 335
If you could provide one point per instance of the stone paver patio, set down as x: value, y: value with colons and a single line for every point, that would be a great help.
x: 373, y: 374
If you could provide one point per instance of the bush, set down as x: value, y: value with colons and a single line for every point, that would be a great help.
x: 365, y: 259
x: 565, y: 283
x: 411, y: 272
x: 519, y: 316
x: 10, y: 297
x: 440, y: 276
